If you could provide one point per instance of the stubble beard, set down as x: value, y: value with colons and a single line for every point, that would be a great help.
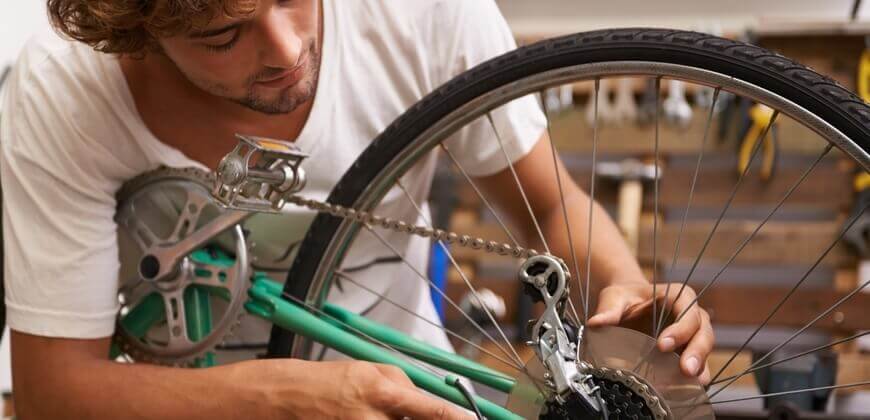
x: 289, y: 98
x: 286, y: 101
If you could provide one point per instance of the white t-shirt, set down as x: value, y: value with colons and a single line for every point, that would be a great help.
x: 70, y: 136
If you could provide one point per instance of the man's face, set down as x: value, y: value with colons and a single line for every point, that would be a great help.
x: 268, y: 62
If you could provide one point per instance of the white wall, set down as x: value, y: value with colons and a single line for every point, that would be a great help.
x: 19, y: 19
x: 550, y: 17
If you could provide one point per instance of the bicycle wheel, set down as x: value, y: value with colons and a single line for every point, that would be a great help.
x: 799, y: 97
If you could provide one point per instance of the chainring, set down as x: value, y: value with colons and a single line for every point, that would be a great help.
x: 159, y: 208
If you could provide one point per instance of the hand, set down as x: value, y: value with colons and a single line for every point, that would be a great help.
x: 630, y: 305
x: 343, y: 390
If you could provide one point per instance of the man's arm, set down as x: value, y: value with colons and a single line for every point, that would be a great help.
x: 66, y: 378
x: 617, y: 283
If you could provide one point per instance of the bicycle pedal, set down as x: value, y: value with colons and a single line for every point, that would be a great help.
x: 259, y: 174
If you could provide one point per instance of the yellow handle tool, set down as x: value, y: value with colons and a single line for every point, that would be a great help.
x: 760, y: 116
x: 864, y: 76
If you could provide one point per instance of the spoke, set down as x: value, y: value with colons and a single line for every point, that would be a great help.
x: 442, y: 294
x: 820, y: 316
x: 462, y: 274
x: 688, y: 205
x: 564, y: 210
x: 430, y: 322
x: 586, y: 290
x: 792, y: 357
x: 740, y: 248
x: 725, y: 208
x: 480, y: 195
x: 797, y: 391
x: 517, y: 180
x: 656, y: 206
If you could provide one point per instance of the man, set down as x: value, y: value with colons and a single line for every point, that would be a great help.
x: 170, y: 83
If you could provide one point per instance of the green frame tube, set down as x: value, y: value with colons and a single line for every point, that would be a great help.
x: 417, y: 349
x: 197, y: 313
x: 339, y: 329
x: 266, y: 304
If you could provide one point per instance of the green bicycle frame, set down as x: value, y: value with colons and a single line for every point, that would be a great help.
x: 336, y: 327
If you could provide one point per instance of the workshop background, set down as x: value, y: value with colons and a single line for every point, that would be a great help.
x: 829, y: 36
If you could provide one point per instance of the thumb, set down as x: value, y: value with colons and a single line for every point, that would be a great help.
x: 611, y: 307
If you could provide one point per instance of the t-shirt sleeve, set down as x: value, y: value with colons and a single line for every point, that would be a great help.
x: 484, y: 147
x: 60, y: 247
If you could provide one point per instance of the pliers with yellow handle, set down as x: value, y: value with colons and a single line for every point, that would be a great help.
x: 864, y: 75
x: 760, y: 116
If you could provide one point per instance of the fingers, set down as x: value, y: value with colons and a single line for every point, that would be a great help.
x: 694, y: 331
x: 394, y: 374
x: 679, y: 333
x: 694, y: 357
x: 409, y: 402
x: 398, y: 396
x: 612, y: 303
x: 704, y: 378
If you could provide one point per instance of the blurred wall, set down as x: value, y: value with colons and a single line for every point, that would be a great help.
x: 548, y: 17
x: 18, y: 21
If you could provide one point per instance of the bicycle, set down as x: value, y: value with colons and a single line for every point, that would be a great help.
x: 195, y: 275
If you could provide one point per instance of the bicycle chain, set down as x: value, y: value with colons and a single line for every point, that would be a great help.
x: 369, y: 219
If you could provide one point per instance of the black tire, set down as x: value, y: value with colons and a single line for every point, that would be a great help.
x: 816, y: 93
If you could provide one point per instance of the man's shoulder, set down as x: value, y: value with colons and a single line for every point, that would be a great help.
x: 50, y: 65
x: 46, y: 51
x: 58, y: 86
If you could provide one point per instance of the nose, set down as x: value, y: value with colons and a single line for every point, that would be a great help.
x: 281, y: 46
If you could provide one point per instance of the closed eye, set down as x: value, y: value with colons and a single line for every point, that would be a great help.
x: 225, y: 45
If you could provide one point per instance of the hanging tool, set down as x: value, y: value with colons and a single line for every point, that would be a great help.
x: 605, y: 106
x: 624, y: 107
x: 864, y: 72
x: 478, y: 307
x: 631, y: 174
x: 676, y: 107
x: 646, y: 110
x: 734, y: 121
x: 760, y: 116
x: 559, y: 98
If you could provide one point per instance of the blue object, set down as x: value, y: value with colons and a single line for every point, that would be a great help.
x: 438, y: 275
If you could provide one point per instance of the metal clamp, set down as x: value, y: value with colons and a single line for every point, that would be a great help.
x: 259, y: 174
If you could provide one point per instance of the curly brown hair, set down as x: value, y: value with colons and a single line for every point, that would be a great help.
x: 133, y: 26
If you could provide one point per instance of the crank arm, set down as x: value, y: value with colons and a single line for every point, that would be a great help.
x: 162, y: 261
